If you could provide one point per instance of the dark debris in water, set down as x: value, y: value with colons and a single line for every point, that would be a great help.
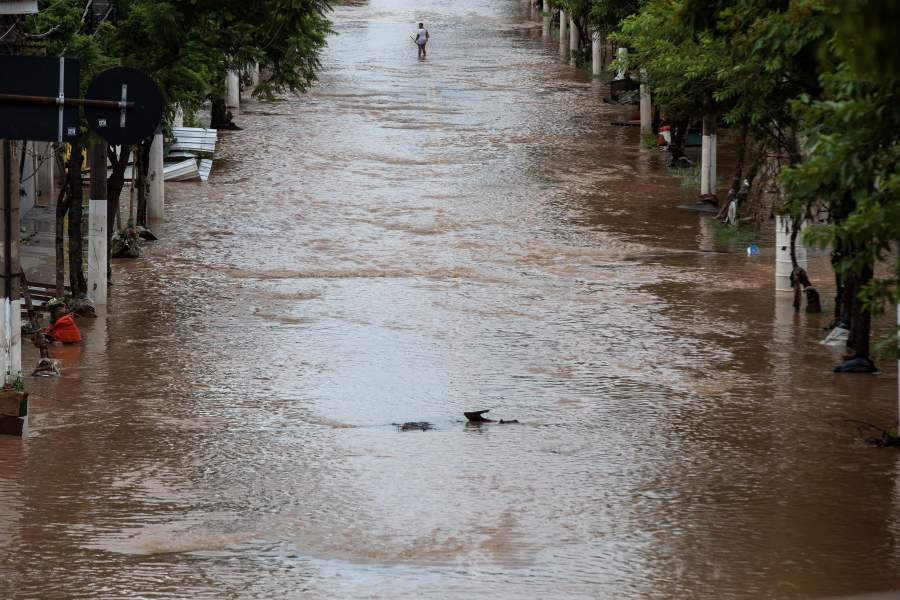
x: 414, y: 426
x: 885, y: 438
x: 477, y: 416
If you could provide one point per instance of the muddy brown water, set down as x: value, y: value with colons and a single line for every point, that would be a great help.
x: 408, y: 241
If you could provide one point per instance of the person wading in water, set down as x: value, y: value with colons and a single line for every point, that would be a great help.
x: 422, y: 37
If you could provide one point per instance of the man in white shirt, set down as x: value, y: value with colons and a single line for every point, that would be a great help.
x: 422, y: 36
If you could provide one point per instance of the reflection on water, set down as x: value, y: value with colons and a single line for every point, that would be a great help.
x: 409, y: 241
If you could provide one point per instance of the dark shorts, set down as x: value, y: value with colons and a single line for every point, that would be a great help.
x: 421, y: 44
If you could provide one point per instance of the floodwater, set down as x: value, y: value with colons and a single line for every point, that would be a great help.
x: 409, y: 241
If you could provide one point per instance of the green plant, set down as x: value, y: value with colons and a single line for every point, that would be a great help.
x: 649, y: 141
x: 732, y: 235
x: 15, y: 383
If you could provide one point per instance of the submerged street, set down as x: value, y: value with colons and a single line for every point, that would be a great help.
x: 415, y: 239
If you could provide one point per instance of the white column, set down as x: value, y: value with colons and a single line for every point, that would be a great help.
x: 646, y: 107
x: 5, y: 338
x: 563, y: 34
x: 96, y: 275
x: 15, y: 339
x: 10, y: 339
x: 783, y: 264
x: 545, y: 29
x: 708, y: 157
x: 232, y: 90
x: 178, y: 120
x: 574, y: 39
x: 596, y: 57
x: 156, y: 202
x: 622, y: 56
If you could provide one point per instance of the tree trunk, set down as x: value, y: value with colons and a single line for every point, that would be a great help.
x: 62, y: 207
x: 738, y: 175
x: 114, y: 185
x: 77, y: 281
x: 679, y: 132
x: 860, y: 317
x: 218, y: 117
x: 143, y: 158
x: 840, y: 288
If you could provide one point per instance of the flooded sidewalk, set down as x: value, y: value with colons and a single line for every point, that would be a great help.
x: 415, y: 239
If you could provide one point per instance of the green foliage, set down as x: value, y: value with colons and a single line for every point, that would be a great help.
x: 816, y: 85
x: 689, y: 177
x: 607, y: 15
x: 649, y: 142
x: 681, y: 65
x: 188, y: 47
x: 727, y: 235
x: 853, y: 138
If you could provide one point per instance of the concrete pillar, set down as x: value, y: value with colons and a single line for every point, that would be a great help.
x: 646, y: 107
x: 547, y: 11
x: 97, y: 265
x: 156, y: 201
x: 574, y: 39
x: 563, y: 35
x: 15, y: 339
x: 178, y: 120
x: 5, y: 341
x: 596, y: 56
x: 783, y: 265
x: 622, y: 70
x: 10, y: 340
x: 708, y: 157
x: 232, y: 90
x: 97, y: 225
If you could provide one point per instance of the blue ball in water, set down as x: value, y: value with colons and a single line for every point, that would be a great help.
x: 752, y: 249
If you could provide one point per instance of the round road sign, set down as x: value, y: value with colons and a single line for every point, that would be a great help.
x: 124, y: 125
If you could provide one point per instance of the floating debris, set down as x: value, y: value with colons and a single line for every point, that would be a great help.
x: 414, y: 426
x: 47, y: 367
x: 477, y: 416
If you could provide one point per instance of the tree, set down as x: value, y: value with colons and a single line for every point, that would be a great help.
x: 853, y: 137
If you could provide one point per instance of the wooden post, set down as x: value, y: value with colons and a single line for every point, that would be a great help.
x: 97, y: 225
